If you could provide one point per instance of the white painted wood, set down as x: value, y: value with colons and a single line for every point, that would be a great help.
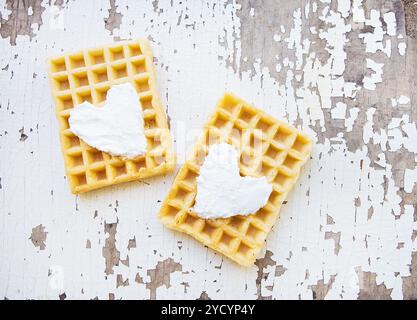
x: 327, y: 243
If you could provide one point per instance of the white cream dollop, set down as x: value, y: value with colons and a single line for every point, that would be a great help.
x: 222, y: 192
x: 116, y: 127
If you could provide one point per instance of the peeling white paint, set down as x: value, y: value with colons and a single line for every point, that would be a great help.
x: 343, y: 6
x: 402, y: 46
x: 339, y: 112
x: 410, y: 179
x: 403, y: 99
x: 391, y: 22
x: 357, y: 11
x: 369, y: 82
x: 187, y: 38
x: 367, y: 129
x: 278, y: 67
x: 307, y: 10
x: 374, y: 40
x: 294, y: 40
x: 314, y: 6
x: 277, y: 37
x: 349, y: 122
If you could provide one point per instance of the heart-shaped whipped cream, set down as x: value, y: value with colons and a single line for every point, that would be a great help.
x: 222, y: 192
x: 116, y: 127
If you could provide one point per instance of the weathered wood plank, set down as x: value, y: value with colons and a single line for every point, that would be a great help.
x: 349, y: 228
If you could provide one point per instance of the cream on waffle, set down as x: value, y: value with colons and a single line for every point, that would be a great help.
x: 87, y: 75
x: 268, y: 147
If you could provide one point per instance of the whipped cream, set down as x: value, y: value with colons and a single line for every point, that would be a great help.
x: 116, y: 127
x: 222, y: 192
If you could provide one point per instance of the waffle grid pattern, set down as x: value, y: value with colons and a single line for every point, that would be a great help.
x: 267, y: 147
x: 87, y: 75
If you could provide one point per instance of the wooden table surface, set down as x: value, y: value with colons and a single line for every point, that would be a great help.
x: 344, y: 72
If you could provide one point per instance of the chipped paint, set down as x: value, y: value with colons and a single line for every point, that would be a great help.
x: 409, y: 285
x: 335, y: 236
x: 22, y: 18
x: 401, y: 48
x: 320, y: 289
x: 358, y: 13
x: 114, y: 19
x: 303, y: 61
x: 263, y: 263
x: 160, y: 276
x: 110, y: 252
x: 369, y: 82
x: 38, y: 237
x: 370, y: 290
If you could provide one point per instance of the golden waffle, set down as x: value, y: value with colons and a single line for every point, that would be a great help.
x: 88, y: 75
x: 267, y: 147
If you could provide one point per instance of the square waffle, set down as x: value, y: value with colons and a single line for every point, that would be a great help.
x: 267, y: 147
x: 88, y: 75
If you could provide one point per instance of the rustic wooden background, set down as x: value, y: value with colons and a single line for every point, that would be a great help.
x: 349, y: 228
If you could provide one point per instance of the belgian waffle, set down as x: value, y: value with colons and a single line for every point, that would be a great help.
x: 268, y: 147
x: 87, y: 75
